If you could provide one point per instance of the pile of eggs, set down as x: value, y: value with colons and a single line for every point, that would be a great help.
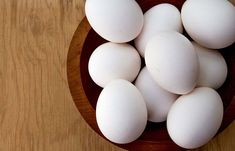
x: 178, y: 82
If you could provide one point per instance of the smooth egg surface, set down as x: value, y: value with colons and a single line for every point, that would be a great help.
x: 195, y: 118
x: 172, y: 61
x: 112, y: 61
x: 162, y: 17
x: 117, y: 21
x: 121, y: 112
x: 211, y: 23
x: 213, y: 68
x: 158, y: 100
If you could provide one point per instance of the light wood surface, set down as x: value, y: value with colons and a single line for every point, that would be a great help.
x: 37, y: 112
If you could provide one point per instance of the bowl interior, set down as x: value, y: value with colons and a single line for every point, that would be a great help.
x: 155, y: 134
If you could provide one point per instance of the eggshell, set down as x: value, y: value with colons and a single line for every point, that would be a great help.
x: 162, y: 17
x: 115, y: 20
x: 195, y: 118
x: 113, y: 61
x: 121, y: 112
x: 172, y: 61
x: 213, y: 68
x: 211, y: 23
x: 158, y: 100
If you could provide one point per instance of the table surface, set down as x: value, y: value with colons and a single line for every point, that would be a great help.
x: 37, y: 112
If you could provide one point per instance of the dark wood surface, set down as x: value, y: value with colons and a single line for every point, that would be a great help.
x: 85, y: 92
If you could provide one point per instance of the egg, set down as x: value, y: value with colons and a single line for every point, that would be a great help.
x: 195, y: 118
x: 158, y: 100
x: 213, y: 68
x: 172, y: 62
x: 211, y: 23
x: 121, y: 112
x: 162, y: 17
x: 115, y: 20
x: 112, y: 61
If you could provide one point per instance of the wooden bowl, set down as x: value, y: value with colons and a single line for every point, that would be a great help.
x: 85, y: 92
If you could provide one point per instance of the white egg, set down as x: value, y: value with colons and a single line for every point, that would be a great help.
x: 172, y: 61
x: 121, y: 112
x: 115, y: 20
x: 158, y: 100
x: 113, y: 61
x: 195, y: 118
x: 213, y: 68
x: 162, y: 17
x: 211, y: 23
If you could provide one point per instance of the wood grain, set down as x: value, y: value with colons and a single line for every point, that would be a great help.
x: 36, y: 109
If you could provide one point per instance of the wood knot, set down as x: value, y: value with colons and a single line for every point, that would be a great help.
x: 36, y: 25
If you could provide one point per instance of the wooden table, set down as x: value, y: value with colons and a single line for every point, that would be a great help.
x: 37, y: 112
